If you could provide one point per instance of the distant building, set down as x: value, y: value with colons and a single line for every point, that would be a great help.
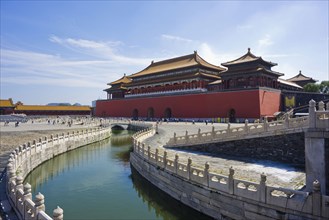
x: 301, y: 80
x: 52, y: 110
x: 6, y: 106
x: 190, y: 87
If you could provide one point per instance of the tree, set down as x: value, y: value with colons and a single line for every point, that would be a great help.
x: 324, y: 87
x: 312, y: 87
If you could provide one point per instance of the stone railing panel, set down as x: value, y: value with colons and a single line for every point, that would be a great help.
x: 170, y: 165
x: 29, y: 209
x: 218, y: 182
x: 325, y: 206
x: 182, y: 170
x: 246, y: 189
x: 198, y: 176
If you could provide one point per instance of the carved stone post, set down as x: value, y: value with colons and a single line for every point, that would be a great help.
x: 156, y: 155
x: 231, y: 181
x: 286, y: 122
x: 316, y: 198
x: 189, y: 163
x: 265, y: 124
x: 27, y: 191
x: 186, y: 137
x: 149, y: 152
x: 11, y: 176
x: 39, y: 203
x: 27, y: 195
x: 206, y: 173
x: 311, y: 113
x: 165, y: 154
x: 246, y: 128
x: 199, y: 134
x: 19, y: 183
x: 262, y: 188
x: 176, y: 162
x: 138, y: 147
x: 175, y: 138
x: 58, y: 214
x: 228, y: 128
x: 213, y: 132
x: 321, y: 106
x: 143, y: 149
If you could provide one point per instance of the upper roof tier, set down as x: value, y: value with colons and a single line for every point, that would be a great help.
x: 51, y: 108
x: 176, y: 63
x: 6, y: 103
x: 123, y: 79
x: 248, y: 57
x: 301, y: 77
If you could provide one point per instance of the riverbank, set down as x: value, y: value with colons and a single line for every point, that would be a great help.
x: 12, y: 137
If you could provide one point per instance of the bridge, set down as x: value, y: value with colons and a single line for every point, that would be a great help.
x: 124, y: 124
x: 223, y: 196
x: 265, y: 129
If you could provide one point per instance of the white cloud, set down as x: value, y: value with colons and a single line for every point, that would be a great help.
x: 176, y: 38
x: 104, y: 50
x: 244, y: 27
x: 265, y: 41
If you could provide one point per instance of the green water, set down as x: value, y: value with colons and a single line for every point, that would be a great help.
x: 97, y: 182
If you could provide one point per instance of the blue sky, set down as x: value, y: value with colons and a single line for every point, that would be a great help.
x: 67, y: 51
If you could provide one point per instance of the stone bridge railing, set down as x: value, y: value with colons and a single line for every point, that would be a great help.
x: 248, y: 130
x: 319, y: 118
x: 316, y: 119
x: 28, y: 156
x: 281, y: 199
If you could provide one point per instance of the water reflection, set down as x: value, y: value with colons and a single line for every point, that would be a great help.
x: 65, y: 162
x: 160, y: 201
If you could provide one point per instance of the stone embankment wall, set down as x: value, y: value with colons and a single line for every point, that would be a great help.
x: 28, y: 156
x: 286, y: 148
x: 224, y: 197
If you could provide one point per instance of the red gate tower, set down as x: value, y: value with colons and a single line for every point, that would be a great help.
x: 191, y: 88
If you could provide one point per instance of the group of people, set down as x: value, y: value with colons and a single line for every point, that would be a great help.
x: 7, y: 123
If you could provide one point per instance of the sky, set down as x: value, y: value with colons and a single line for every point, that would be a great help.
x: 67, y: 51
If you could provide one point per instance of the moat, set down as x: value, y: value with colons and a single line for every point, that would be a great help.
x: 97, y: 182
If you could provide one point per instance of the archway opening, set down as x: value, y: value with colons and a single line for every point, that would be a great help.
x: 150, y: 113
x: 135, y: 114
x: 231, y: 115
x: 167, y: 113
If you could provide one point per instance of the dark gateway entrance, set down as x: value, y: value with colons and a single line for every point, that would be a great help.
x: 150, y: 113
x: 167, y: 113
x: 135, y: 114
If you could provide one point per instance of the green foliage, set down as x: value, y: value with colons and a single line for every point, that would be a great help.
x: 312, y: 87
x: 323, y: 87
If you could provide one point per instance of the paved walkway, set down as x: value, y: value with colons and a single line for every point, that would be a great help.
x: 278, y: 174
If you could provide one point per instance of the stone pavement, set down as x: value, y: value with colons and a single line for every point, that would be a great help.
x: 278, y: 174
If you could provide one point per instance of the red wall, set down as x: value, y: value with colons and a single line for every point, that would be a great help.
x: 247, y: 104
